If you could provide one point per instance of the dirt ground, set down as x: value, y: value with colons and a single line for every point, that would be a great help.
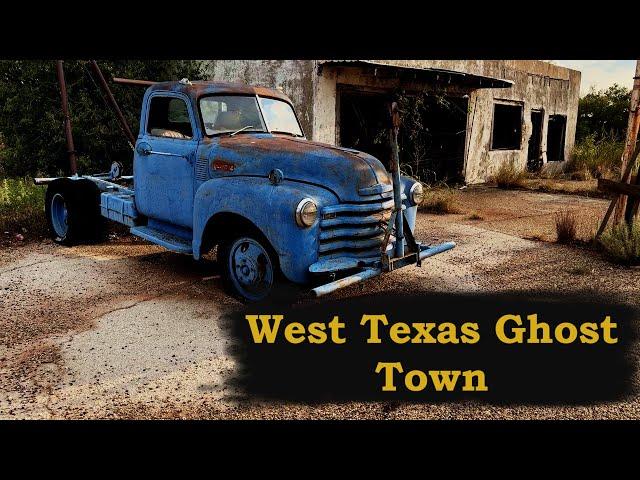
x: 128, y: 330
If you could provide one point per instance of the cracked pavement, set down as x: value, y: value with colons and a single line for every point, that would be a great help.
x: 128, y: 330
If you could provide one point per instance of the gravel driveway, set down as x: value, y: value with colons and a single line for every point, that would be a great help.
x: 127, y: 330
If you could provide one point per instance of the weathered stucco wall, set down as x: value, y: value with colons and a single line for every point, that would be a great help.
x: 293, y: 77
x: 537, y: 86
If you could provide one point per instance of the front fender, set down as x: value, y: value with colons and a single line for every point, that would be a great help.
x: 271, y: 208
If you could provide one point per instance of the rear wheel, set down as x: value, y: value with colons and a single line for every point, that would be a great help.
x: 59, y: 216
x: 248, y: 268
x: 73, y: 213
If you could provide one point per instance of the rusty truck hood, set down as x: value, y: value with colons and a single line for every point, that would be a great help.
x: 344, y: 171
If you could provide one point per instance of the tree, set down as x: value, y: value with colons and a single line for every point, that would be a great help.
x: 31, y: 122
x: 604, y: 113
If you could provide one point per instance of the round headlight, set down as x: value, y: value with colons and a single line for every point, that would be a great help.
x: 416, y: 194
x: 306, y: 213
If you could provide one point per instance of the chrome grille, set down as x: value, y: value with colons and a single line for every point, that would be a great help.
x: 354, y: 229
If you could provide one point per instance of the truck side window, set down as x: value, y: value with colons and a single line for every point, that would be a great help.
x: 169, y: 117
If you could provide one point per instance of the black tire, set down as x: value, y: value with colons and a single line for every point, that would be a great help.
x: 83, y: 220
x: 280, y: 290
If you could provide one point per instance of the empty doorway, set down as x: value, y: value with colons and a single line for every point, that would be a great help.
x: 534, y: 153
x: 556, y: 138
x: 363, y: 122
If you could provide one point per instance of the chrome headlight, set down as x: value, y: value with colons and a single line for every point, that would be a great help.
x: 306, y: 213
x: 416, y: 194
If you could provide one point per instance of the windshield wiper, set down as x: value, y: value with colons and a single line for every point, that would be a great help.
x: 241, y: 130
x: 286, y: 133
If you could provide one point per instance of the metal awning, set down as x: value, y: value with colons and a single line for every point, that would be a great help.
x: 431, y: 75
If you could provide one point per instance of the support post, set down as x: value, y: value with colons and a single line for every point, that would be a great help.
x: 395, y: 175
x: 632, y: 134
x: 67, y: 118
x: 616, y: 197
x: 112, y: 103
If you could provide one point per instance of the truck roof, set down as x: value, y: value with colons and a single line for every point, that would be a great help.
x: 200, y: 88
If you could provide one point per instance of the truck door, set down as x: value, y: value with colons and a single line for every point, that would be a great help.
x: 164, y: 160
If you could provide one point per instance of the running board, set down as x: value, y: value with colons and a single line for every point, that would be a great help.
x: 164, y: 239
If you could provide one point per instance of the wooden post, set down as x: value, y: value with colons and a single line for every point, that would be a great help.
x: 632, y: 134
x: 617, y: 196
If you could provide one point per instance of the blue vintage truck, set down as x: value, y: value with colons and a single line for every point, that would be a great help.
x: 227, y: 165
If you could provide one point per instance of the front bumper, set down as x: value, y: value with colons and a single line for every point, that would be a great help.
x: 374, y: 267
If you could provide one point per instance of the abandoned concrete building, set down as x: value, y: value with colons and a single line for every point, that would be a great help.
x: 477, y: 115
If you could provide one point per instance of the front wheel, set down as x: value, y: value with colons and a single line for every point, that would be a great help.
x: 249, y: 268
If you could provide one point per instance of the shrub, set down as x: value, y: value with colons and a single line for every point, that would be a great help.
x: 566, y: 226
x: 440, y: 201
x: 593, y: 158
x: 475, y: 216
x: 509, y: 175
x: 622, y: 243
x: 22, y: 207
x: 31, y: 120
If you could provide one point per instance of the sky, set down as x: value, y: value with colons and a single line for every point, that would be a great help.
x: 601, y: 73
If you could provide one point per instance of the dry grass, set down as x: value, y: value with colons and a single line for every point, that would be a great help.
x: 509, y: 175
x: 622, y: 243
x: 592, y: 158
x: 566, y: 226
x: 22, y: 207
x: 440, y: 201
x: 587, y: 188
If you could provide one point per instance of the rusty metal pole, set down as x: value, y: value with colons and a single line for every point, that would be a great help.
x: 632, y: 135
x: 112, y: 103
x: 73, y: 164
x: 395, y: 175
x: 134, y: 82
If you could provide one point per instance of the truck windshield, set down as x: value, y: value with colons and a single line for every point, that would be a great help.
x: 228, y: 114
x: 280, y: 117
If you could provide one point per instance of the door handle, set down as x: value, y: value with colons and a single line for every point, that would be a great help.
x: 145, y: 149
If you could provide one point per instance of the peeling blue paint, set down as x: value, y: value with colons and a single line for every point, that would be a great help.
x: 184, y: 185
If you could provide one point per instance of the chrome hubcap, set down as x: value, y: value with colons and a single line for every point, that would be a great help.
x: 251, y: 268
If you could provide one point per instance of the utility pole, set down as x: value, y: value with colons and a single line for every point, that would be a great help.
x: 632, y: 134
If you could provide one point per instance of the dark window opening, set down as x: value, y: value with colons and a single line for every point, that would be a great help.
x: 534, y: 154
x: 364, y: 123
x: 169, y: 117
x: 432, y: 154
x: 507, y: 127
x: 556, y: 138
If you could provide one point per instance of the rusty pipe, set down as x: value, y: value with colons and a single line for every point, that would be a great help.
x: 395, y: 176
x: 112, y: 103
x: 131, y: 81
x: 73, y: 164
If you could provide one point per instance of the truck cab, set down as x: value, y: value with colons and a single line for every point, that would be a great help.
x: 228, y: 166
